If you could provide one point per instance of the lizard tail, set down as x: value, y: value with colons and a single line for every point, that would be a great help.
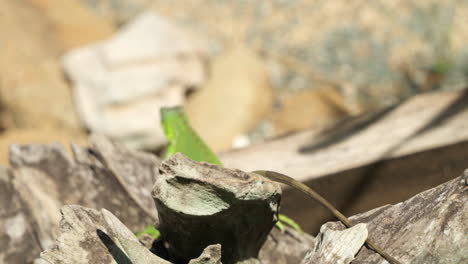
x: 281, y: 178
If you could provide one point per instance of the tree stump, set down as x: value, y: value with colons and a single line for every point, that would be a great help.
x: 201, y: 204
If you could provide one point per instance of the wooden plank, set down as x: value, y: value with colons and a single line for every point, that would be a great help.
x: 371, y: 160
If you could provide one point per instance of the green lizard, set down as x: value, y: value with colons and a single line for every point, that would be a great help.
x: 182, y: 138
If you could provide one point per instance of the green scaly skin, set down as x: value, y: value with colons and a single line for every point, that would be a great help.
x: 182, y: 138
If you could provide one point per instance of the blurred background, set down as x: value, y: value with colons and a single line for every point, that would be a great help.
x: 246, y: 71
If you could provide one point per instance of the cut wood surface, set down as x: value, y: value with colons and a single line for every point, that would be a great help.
x: 368, y: 161
x: 422, y: 123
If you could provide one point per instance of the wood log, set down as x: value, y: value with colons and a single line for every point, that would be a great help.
x: 368, y: 161
x: 201, y: 204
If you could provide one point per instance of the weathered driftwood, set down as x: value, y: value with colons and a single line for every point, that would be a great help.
x: 135, y: 171
x: 200, y: 204
x: 211, y: 255
x: 337, y: 247
x: 429, y: 227
x: 17, y: 238
x: 288, y: 247
x: 44, y: 178
x: 91, y: 236
x: 369, y: 161
x: 90, y: 179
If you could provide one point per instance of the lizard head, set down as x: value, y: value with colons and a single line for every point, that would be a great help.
x: 170, y: 119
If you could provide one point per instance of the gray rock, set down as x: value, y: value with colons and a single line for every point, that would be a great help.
x: 47, y: 178
x: 18, y: 229
x: 211, y: 255
x: 376, y: 52
x: 135, y: 170
x: 430, y: 227
x: 288, y: 247
x: 90, y: 236
x: 200, y: 204
x: 337, y: 247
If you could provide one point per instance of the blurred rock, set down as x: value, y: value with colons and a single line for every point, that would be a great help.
x: 73, y: 24
x: 120, y: 83
x: 379, y: 51
x: 310, y: 108
x: 35, y: 102
x: 33, y: 91
x: 234, y: 100
x: 120, y: 11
